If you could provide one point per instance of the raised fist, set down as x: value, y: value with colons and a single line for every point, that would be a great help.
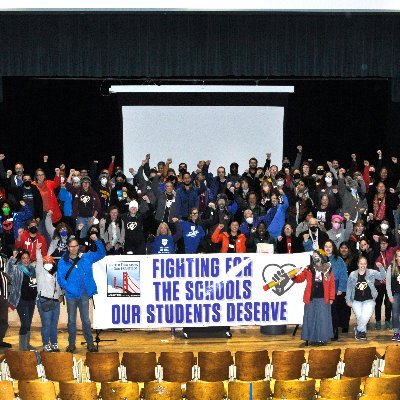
x: 300, y: 148
x: 281, y: 278
x: 45, y: 158
x: 2, y: 157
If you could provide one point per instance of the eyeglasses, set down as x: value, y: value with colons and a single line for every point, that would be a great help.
x: 194, y: 212
x: 39, y: 174
x: 77, y: 245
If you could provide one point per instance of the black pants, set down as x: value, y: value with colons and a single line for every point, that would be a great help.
x: 25, y: 310
x: 136, y: 248
x: 378, y: 304
x: 3, y: 318
x: 340, y: 312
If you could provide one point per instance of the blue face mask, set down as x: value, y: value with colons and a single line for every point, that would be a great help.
x: 64, y: 233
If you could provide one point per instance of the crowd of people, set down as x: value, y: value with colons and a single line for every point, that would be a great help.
x: 54, y: 223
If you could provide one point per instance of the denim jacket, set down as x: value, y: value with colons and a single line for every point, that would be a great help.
x: 370, y: 276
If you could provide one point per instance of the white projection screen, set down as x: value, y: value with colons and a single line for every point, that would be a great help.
x: 222, y: 134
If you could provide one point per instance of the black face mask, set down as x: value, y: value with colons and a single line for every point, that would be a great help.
x: 172, y: 179
x: 33, y: 229
x: 285, y: 165
x: 313, y: 229
x: 320, y: 171
x: 296, y: 176
x: 118, y: 185
x: 27, y: 184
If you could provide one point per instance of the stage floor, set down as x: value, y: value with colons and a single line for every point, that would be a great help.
x: 244, y: 338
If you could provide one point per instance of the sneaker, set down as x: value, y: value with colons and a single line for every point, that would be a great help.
x: 92, y: 348
x: 363, y: 335
x: 54, y: 348
x: 378, y: 325
x: 388, y: 325
x: 357, y: 334
x: 47, y: 348
x: 396, y: 337
x: 5, y: 344
x: 70, y: 348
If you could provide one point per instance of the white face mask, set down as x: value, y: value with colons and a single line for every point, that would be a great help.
x: 62, y: 179
x: 103, y: 181
x: 328, y: 179
x: 249, y: 220
x: 75, y: 179
x: 279, y: 183
x: 384, y: 227
x: 48, y: 266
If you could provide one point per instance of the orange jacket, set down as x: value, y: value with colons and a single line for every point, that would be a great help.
x: 51, y: 186
x: 223, y: 237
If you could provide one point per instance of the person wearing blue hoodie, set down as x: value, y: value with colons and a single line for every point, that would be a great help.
x: 164, y: 242
x: 275, y: 217
x: 75, y: 276
x: 339, y: 270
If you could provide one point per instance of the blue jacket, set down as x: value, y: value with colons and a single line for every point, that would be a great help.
x: 84, y: 270
x: 18, y: 219
x: 187, y: 199
x: 66, y: 197
x: 340, y: 273
x: 274, y: 225
x: 163, y: 245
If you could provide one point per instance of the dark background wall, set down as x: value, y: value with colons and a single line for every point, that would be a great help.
x: 72, y: 122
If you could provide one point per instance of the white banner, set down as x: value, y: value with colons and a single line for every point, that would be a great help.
x: 197, y: 290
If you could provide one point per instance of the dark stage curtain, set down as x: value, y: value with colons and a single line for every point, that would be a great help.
x: 202, y: 44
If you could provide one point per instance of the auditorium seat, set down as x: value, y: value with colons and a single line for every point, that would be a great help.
x: 36, y: 390
x: 294, y: 389
x: 392, y: 396
x: 338, y: 388
x: 103, y: 367
x: 201, y: 390
x: 251, y: 365
x: 240, y: 390
x: 287, y: 365
x: 23, y: 365
x: 162, y: 390
x: 119, y: 390
x: 78, y: 391
x: 140, y: 366
x: 358, y: 361
x: 391, y: 364
x: 58, y: 366
x: 176, y: 366
x: 6, y: 390
x: 382, y: 386
x: 214, y: 366
x: 323, y: 363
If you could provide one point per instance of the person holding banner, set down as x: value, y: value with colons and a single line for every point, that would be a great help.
x: 75, y: 276
x: 318, y: 296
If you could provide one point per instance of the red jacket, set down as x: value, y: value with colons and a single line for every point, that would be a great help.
x: 51, y: 185
x: 223, y: 237
x: 27, y: 244
x: 329, y: 286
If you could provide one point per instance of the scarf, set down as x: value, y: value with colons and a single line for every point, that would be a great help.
x: 379, y: 207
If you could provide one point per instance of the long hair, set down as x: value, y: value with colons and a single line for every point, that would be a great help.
x: 61, y: 225
x: 395, y: 265
x: 335, y: 252
x: 160, y: 226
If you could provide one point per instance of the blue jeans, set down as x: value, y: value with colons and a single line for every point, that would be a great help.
x: 396, y: 310
x: 83, y: 305
x: 25, y: 310
x: 49, y: 321
x: 363, y: 311
x: 85, y: 222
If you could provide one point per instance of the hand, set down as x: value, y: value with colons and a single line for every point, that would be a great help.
x: 280, y: 190
x: 14, y: 254
x: 131, y: 171
x: 2, y: 157
x: 237, y: 185
x: 80, y: 227
x: 208, y: 162
x: 253, y: 229
x: 211, y: 205
x: 20, y: 232
x: 394, y: 160
x: 175, y: 219
x: 379, y: 265
x: 232, y: 189
x: 349, y: 304
x: 342, y: 171
x: 146, y: 198
x: 300, y: 148
x: 391, y: 299
x: 71, y: 172
x: 376, y: 238
x: 124, y: 189
x: 22, y: 203
x: 280, y: 238
x: 57, y: 171
x: 329, y: 164
x: 346, y: 216
x: 258, y: 173
x: 268, y: 156
x: 306, y: 236
x: 148, y: 156
x: 169, y: 160
x: 112, y: 158
x: 93, y: 236
x: 353, y: 157
x: 221, y: 226
x: 366, y: 163
x: 339, y: 292
x: 228, y: 185
x: 281, y: 278
x: 379, y: 152
x: 9, y: 173
x: 335, y: 190
x: 45, y: 158
x: 38, y: 246
x: 62, y: 166
x: 391, y: 190
x: 330, y: 301
x: 96, y: 161
x: 50, y: 212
